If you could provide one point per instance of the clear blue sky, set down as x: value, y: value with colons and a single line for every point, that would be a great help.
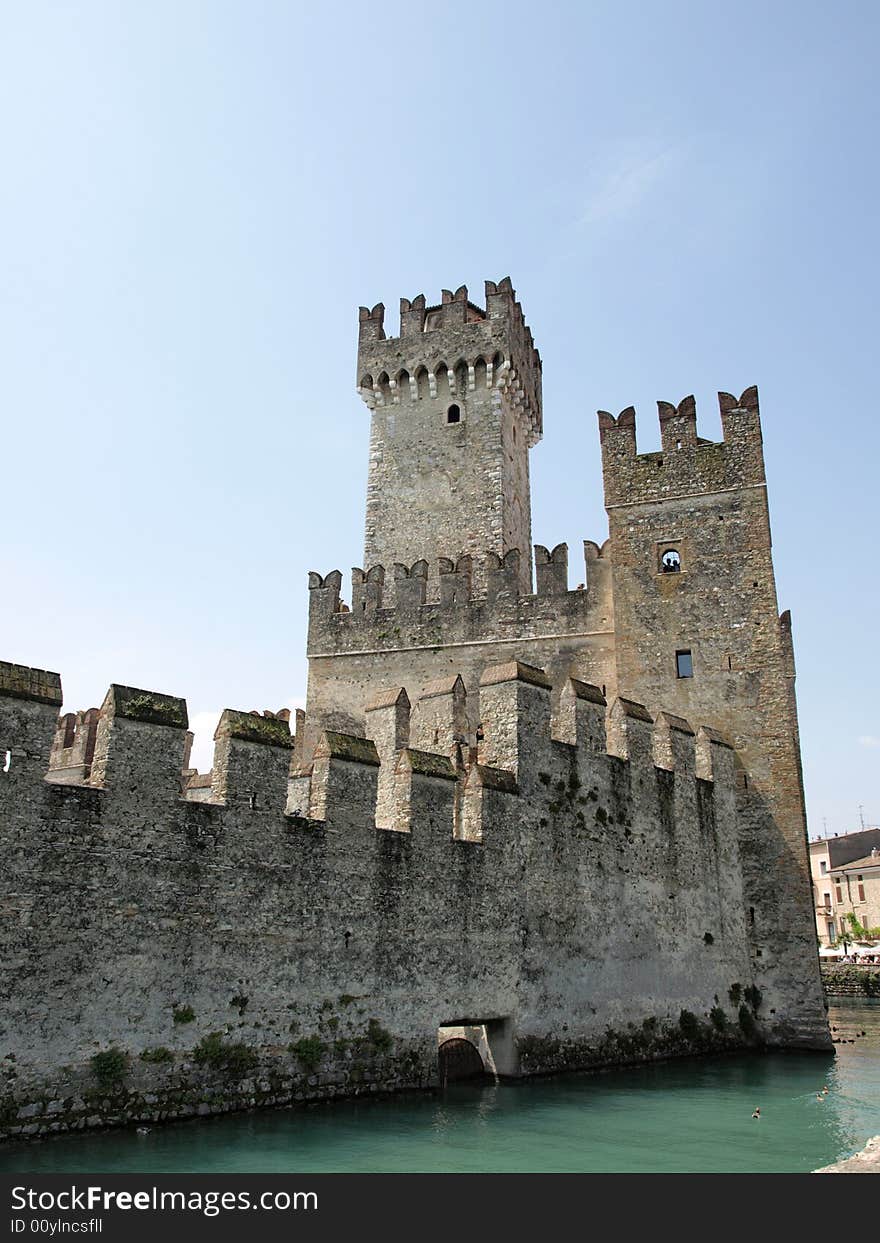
x: 197, y: 196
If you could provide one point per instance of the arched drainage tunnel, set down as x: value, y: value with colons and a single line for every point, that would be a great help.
x: 475, y: 1050
x: 459, y: 1059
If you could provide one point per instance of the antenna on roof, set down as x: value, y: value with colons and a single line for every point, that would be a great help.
x: 861, y: 815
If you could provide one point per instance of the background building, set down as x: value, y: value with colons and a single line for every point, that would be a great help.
x: 838, y: 877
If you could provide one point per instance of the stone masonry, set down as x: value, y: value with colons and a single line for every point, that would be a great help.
x: 572, y: 821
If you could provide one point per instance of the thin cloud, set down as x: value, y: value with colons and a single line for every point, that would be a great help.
x: 622, y: 186
x: 869, y: 740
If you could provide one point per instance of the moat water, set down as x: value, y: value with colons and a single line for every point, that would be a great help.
x: 693, y: 1115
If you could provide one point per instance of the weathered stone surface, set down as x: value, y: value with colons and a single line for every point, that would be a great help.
x: 19, y: 682
x: 271, y: 731
x: 851, y: 979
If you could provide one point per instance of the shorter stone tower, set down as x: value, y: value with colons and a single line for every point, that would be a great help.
x: 698, y: 631
x: 456, y: 406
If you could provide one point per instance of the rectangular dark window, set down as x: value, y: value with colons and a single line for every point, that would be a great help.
x: 861, y: 893
x: 684, y: 665
x: 839, y: 894
x: 828, y: 901
x: 823, y: 866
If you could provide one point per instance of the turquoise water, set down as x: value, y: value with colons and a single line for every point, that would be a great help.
x: 679, y: 1116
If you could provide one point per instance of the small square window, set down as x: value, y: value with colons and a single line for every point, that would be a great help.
x: 684, y: 665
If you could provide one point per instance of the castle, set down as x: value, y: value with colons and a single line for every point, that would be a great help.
x: 562, y: 827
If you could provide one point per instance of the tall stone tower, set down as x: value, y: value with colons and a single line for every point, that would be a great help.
x: 445, y: 588
x: 456, y: 406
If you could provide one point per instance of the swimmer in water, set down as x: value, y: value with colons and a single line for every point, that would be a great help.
x: 820, y: 1096
x: 825, y: 1090
x: 757, y: 1113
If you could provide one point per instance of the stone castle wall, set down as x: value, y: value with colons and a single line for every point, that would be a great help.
x: 162, y: 956
x: 851, y: 979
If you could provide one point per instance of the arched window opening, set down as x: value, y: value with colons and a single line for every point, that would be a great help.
x: 453, y: 414
x: 670, y: 561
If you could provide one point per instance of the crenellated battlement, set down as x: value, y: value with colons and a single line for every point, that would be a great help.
x: 427, y: 621
x: 417, y: 761
x: 138, y: 740
x: 687, y: 463
x: 452, y: 349
x: 450, y: 583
